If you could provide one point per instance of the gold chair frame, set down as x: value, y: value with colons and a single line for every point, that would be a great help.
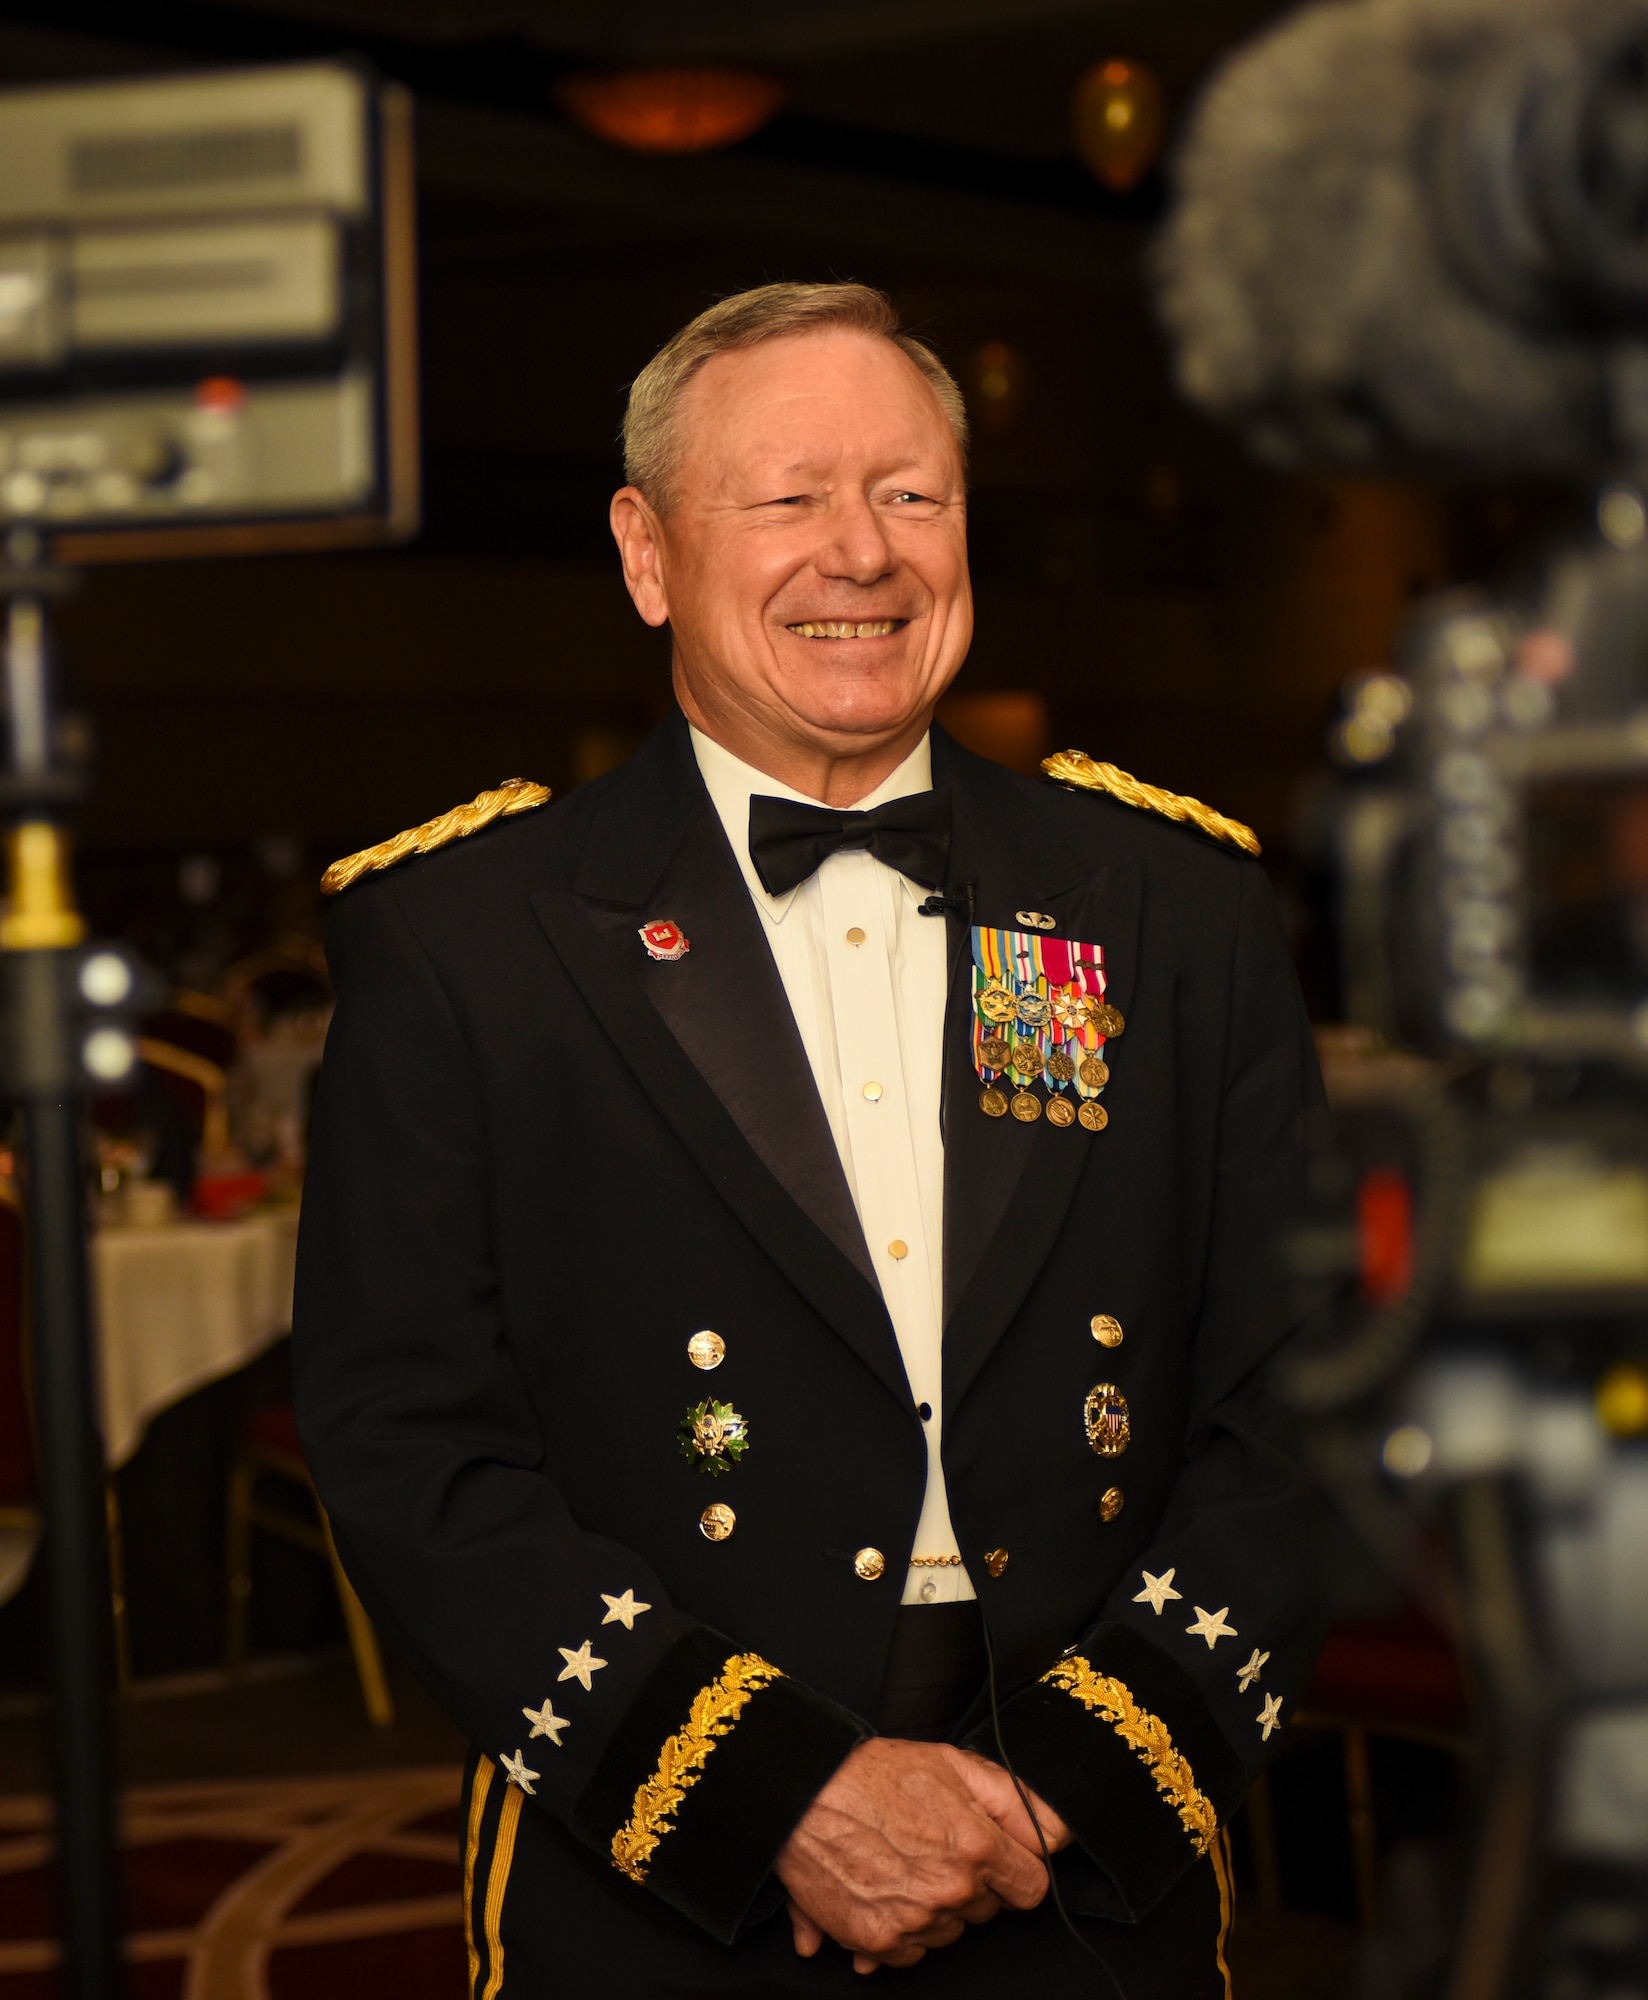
x: 212, y: 1079
x: 257, y: 1460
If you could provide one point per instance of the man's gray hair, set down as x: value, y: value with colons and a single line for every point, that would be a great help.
x: 652, y: 443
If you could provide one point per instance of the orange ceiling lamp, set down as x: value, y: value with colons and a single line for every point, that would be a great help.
x: 1118, y: 119
x: 685, y: 109
x: 998, y: 381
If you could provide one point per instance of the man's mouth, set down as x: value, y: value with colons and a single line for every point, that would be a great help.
x: 843, y: 628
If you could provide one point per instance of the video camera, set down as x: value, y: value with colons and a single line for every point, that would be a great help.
x: 1411, y: 234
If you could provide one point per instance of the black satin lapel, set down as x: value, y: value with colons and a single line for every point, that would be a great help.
x: 1008, y: 1187
x: 701, y: 1121
x: 725, y: 1004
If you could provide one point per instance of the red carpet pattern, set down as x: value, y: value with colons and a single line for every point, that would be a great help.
x: 313, y: 1887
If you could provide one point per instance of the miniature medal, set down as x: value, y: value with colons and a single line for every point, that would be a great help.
x: 1040, y: 1015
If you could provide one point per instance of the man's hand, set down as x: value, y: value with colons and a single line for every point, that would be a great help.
x: 997, y: 1795
x: 905, y: 1846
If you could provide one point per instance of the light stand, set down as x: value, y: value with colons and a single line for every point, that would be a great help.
x: 42, y: 1072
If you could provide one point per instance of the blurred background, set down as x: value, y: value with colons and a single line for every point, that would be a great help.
x: 590, y: 174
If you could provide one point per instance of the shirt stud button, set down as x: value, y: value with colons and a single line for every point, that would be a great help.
x: 855, y: 935
x: 925, y: 1412
x: 929, y: 1590
x: 898, y: 1249
x: 873, y: 1092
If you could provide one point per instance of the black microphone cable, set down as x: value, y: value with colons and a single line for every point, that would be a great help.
x: 1024, y: 1800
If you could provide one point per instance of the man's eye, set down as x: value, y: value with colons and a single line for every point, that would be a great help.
x: 924, y: 498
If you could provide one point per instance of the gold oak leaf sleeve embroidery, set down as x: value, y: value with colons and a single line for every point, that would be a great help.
x: 714, y: 1713
x: 1147, y: 1736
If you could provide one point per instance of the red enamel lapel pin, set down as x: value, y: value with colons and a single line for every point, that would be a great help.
x: 664, y: 939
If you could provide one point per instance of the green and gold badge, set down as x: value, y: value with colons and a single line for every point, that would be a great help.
x: 714, y: 1436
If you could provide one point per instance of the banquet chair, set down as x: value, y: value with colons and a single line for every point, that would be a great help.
x: 19, y: 1483
x: 197, y: 1022
x: 288, y: 974
x: 1395, y: 1677
x: 201, y: 1086
x: 270, y: 1448
x: 181, y: 1100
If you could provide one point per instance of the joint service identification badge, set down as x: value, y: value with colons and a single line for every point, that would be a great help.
x: 1109, y: 1427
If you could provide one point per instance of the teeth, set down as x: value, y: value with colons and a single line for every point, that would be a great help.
x: 841, y: 628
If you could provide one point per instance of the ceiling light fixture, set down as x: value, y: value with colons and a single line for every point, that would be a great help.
x: 676, y: 110
x: 1118, y: 119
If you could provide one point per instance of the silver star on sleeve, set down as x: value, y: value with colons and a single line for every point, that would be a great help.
x: 1270, y: 1716
x: 545, y: 1722
x: 1247, y: 1675
x: 623, y: 1610
x: 1211, y: 1626
x: 518, y: 1772
x: 579, y: 1665
x: 1157, y: 1590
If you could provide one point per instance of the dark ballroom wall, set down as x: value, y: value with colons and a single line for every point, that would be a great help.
x: 1177, y: 609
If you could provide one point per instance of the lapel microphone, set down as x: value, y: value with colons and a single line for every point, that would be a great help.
x: 937, y: 904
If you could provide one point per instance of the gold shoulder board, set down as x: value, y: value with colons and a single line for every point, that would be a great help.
x: 514, y: 795
x: 1083, y: 773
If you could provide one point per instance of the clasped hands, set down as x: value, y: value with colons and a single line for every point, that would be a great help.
x: 907, y: 1845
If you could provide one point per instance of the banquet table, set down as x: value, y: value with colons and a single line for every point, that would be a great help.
x: 179, y: 1304
x: 176, y: 1305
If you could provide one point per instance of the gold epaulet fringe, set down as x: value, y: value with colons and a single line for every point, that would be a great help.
x: 514, y: 795
x: 1076, y: 768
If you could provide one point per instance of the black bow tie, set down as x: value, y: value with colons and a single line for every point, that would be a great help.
x: 790, y: 841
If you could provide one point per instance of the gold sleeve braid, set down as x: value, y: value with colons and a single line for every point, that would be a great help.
x: 715, y: 1711
x: 514, y: 795
x: 1146, y: 1735
x: 1087, y: 774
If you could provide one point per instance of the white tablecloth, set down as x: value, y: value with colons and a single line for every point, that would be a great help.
x: 175, y: 1306
x: 180, y: 1304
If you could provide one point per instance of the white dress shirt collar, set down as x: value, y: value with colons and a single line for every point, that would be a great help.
x: 731, y: 784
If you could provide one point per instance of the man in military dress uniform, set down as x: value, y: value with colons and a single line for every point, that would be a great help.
x: 785, y: 1278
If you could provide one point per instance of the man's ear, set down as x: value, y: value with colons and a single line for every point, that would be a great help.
x: 640, y: 538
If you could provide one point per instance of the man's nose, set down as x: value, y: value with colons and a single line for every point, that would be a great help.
x: 856, y: 546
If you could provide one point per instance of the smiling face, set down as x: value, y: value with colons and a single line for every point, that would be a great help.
x: 813, y: 565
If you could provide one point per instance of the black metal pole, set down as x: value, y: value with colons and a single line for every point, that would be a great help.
x: 42, y: 1073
